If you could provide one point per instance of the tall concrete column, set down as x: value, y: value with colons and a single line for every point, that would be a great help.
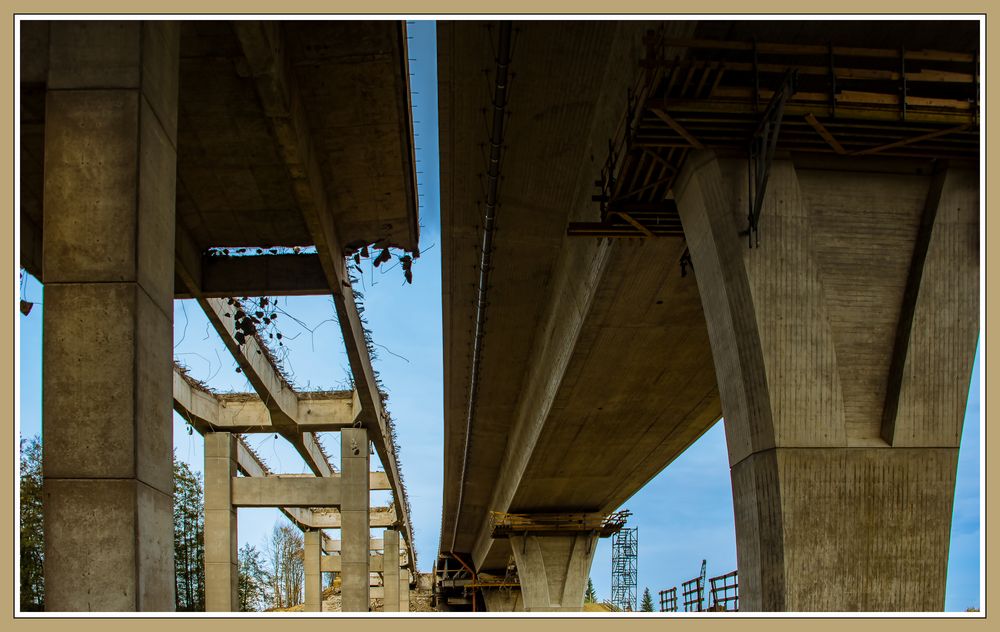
x: 553, y: 570
x: 355, y: 530
x: 843, y: 347
x: 108, y: 252
x: 313, y: 574
x: 221, y: 542
x: 390, y: 570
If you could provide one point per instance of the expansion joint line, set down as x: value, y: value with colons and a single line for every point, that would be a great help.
x: 486, y: 254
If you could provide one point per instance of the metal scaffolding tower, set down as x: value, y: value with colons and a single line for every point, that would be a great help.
x: 624, y: 569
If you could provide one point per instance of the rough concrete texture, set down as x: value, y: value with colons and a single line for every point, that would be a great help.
x: 355, y: 532
x: 90, y: 569
x: 553, y: 570
x: 108, y: 195
x: 313, y: 574
x: 221, y: 536
x: 390, y: 570
x: 503, y: 599
x: 803, y: 329
x: 404, y: 590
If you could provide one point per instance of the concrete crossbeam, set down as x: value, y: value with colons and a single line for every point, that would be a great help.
x: 287, y: 492
x: 334, y: 563
x: 264, y: 275
x: 245, y: 413
x: 375, y: 544
x: 108, y: 194
x: 842, y: 383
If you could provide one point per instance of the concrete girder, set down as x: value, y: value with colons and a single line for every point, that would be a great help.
x: 247, y: 414
x: 375, y: 544
x: 334, y: 563
x: 814, y: 349
x: 263, y: 275
x: 263, y: 46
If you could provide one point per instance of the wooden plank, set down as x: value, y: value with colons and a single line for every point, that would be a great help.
x: 821, y: 50
x: 827, y: 136
x: 637, y: 225
x: 910, y: 141
x: 677, y: 127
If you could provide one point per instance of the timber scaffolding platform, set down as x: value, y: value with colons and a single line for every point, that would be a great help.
x: 819, y: 99
x: 504, y: 525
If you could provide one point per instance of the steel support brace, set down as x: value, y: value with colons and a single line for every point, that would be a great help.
x: 762, y: 147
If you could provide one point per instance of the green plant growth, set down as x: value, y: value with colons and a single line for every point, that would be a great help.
x: 647, y: 601
x: 591, y: 595
x: 32, y: 536
x: 189, y: 539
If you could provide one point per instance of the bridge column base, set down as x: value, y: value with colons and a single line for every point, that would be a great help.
x: 312, y: 565
x: 390, y: 570
x: 553, y: 570
x: 503, y: 599
x: 843, y: 345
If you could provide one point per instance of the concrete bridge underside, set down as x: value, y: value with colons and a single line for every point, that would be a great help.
x: 839, y: 349
x: 146, y: 147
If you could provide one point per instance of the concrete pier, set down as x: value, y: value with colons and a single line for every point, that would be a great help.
x: 404, y: 590
x: 221, y: 541
x: 108, y: 251
x: 503, y: 599
x: 390, y: 570
x: 313, y: 575
x: 553, y: 570
x: 355, y: 533
x: 843, y: 346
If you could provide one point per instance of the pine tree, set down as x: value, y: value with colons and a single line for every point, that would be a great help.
x: 253, y: 587
x: 32, y: 536
x: 189, y: 539
x: 591, y: 595
x: 647, y: 601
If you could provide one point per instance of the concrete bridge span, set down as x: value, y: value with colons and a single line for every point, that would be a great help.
x: 832, y: 320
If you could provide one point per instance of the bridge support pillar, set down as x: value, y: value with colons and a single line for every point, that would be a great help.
x: 843, y: 346
x: 553, y: 570
x: 390, y: 570
x: 404, y: 590
x: 108, y: 251
x: 221, y: 560
x: 507, y: 599
x: 355, y: 529
x: 312, y: 571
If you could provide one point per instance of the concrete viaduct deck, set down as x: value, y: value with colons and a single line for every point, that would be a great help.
x: 151, y: 151
x: 622, y: 310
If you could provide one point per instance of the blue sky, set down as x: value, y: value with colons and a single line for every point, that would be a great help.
x: 684, y: 515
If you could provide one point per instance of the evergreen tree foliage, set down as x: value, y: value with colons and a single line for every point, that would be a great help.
x: 647, y: 601
x: 591, y: 595
x: 189, y: 539
x: 32, y: 536
x: 254, y: 581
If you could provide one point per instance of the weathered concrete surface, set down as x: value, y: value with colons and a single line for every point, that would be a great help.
x: 221, y: 536
x: 562, y: 310
x: 390, y: 570
x: 404, y: 590
x: 313, y: 572
x: 503, y: 599
x: 287, y: 492
x: 553, y: 570
x: 355, y: 534
x: 110, y: 156
x: 833, y: 510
